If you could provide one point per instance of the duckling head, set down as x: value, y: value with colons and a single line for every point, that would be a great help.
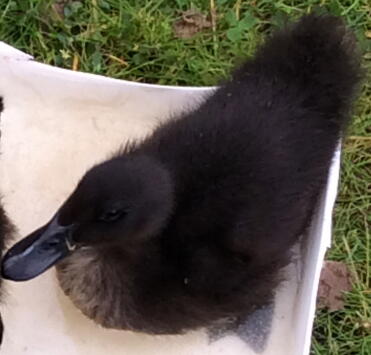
x: 121, y: 202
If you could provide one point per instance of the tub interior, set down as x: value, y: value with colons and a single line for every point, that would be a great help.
x: 55, y: 125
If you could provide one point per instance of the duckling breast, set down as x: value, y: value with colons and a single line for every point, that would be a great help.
x: 97, y: 288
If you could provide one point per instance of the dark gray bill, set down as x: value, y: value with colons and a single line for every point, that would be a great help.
x: 36, y: 253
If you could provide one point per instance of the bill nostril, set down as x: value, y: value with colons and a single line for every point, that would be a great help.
x: 50, y: 244
x: 53, y: 243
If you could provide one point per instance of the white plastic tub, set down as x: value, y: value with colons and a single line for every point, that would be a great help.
x: 55, y: 125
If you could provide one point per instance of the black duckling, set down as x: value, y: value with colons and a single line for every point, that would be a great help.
x: 195, y: 223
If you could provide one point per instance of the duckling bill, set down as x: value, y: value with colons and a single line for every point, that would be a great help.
x: 38, y: 252
x: 195, y: 223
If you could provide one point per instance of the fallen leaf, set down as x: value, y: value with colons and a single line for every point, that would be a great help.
x: 58, y: 6
x: 192, y: 22
x: 368, y: 34
x: 335, y: 280
x: 75, y: 62
x: 117, y: 59
x: 366, y: 325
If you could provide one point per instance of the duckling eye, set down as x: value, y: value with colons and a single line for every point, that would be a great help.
x: 112, y: 215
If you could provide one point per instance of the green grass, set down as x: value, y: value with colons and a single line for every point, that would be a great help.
x: 134, y: 40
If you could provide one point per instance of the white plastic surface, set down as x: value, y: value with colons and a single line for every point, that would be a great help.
x: 56, y: 124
